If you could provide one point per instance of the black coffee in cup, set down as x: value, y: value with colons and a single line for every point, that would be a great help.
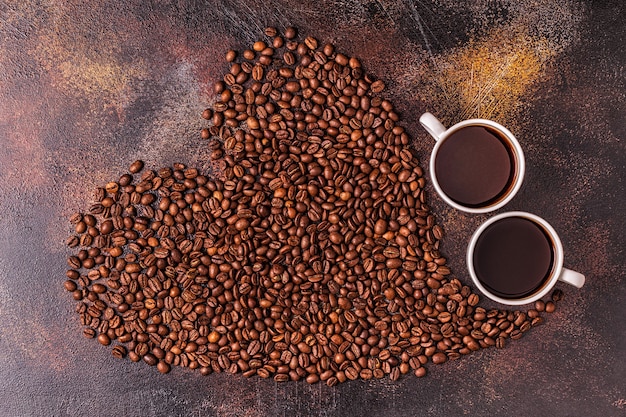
x: 513, y: 257
x: 475, y: 166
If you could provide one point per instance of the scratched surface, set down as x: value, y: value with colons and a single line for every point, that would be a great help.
x: 88, y: 87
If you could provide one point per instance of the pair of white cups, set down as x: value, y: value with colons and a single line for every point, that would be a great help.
x: 558, y: 272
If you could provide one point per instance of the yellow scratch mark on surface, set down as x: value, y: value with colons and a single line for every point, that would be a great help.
x: 93, y: 77
x: 489, y: 77
x: 89, y: 62
x: 102, y: 78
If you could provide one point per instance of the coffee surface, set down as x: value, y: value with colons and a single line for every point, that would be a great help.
x: 513, y: 257
x: 474, y: 167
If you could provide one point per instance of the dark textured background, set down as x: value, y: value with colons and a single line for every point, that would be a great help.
x: 88, y: 87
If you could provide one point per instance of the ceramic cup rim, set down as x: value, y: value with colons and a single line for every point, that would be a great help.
x: 519, y: 159
x: 557, y: 264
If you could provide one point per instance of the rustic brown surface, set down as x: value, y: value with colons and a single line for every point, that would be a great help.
x: 88, y: 87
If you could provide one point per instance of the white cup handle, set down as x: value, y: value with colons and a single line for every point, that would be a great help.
x: 432, y: 125
x: 572, y: 277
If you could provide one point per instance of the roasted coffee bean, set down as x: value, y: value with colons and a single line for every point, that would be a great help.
x: 290, y: 32
x: 104, y: 339
x: 500, y: 342
x: 208, y: 115
x: 119, y: 351
x: 377, y: 86
x: 72, y: 241
x: 439, y: 357
x: 150, y: 359
x: 557, y: 295
x: 136, y: 166
x: 162, y: 367
x: 540, y: 305
x: 230, y: 55
x: 472, y: 299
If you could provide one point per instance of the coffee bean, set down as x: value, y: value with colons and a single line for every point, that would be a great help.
x: 377, y: 86
x: 76, y: 218
x: 290, y: 32
x: 150, y: 359
x: 281, y: 377
x: 74, y: 262
x: 258, y: 46
x: 136, y: 166
x: 104, y: 339
x: 162, y: 367
x: 207, y: 114
x: 439, y: 357
x: 472, y: 299
x: 230, y: 55
x: 70, y: 285
x: 500, y: 342
x: 119, y: 352
x: 72, y: 241
x: 111, y: 187
x: 557, y: 295
x: 332, y: 381
x: 540, y: 305
x: 310, y: 42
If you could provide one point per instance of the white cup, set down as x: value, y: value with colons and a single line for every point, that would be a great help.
x: 557, y: 271
x: 440, y: 134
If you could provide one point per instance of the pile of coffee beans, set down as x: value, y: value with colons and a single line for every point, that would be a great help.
x: 309, y: 253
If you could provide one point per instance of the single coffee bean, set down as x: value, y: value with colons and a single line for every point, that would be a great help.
x: 76, y: 218
x: 557, y: 295
x: 104, y: 339
x: 111, y: 187
x: 377, y: 86
x: 72, y: 241
x: 70, y: 285
x: 472, y: 299
x: 231, y: 55
x: 162, y: 367
x: 207, y: 114
x: 500, y: 342
x: 119, y: 352
x: 311, y: 42
x: 136, y: 166
x: 540, y: 305
x: 439, y: 357
x: 258, y: 46
x: 290, y: 32
x: 150, y: 359
x: 74, y: 262
x: 351, y: 373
